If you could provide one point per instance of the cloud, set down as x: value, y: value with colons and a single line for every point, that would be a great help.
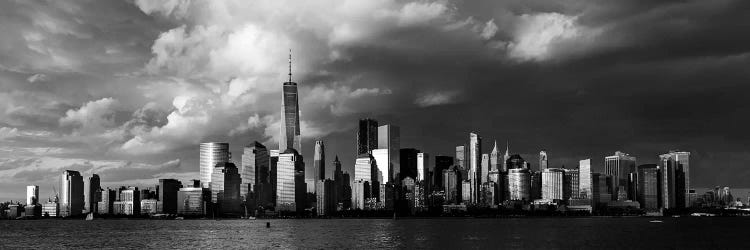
x: 37, y: 78
x: 6, y: 133
x: 92, y: 118
x: 436, y: 98
x: 489, y: 30
x: 537, y: 35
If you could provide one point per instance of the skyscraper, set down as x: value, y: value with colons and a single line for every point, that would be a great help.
x: 254, y: 169
x: 552, y: 184
x: 571, y: 183
x: 423, y: 164
x: 290, y: 182
x: 92, y: 193
x: 506, y: 156
x: 408, y: 163
x: 32, y: 195
x: 461, y: 156
x: 542, y: 160
x: 225, y: 188
x: 619, y: 166
x: 675, y: 179
x: 367, y: 136
x: 584, y: 179
x: 450, y: 184
x: 211, y: 153
x: 319, y: 161
x: 475, y: 167
x: 495, y: 163
x: 648, y: 180
x: 168, y: 189
x: 71, y: 194
x: 326, y: 202
x: 290, y: 129
x: 442, y: 162
x: 363, y: 168
x: 389, y: 137
x: 338, y: 179
x: 485, y: 168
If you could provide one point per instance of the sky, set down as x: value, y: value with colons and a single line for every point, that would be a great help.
x: 128, y: 89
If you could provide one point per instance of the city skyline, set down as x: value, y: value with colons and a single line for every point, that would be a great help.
x: 77, y: 96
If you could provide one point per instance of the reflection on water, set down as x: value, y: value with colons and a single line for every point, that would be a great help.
x: 516, y: 233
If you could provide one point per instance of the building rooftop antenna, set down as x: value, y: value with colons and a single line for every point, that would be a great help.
x: 290, y: 65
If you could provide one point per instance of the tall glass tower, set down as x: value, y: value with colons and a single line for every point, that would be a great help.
x: 475, y: 171
x: 290, y: 130
x: 210, y: 154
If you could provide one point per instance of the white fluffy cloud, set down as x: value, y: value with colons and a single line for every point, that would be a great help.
x: 436, y: 98
x: 93, y: 117
x: 537, y: 35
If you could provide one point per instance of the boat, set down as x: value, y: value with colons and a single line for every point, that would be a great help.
x: 656, y: 221
x: 90, y: 216
x: 179, y: 218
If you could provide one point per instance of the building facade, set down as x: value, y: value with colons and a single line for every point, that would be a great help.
x: 211, y: 153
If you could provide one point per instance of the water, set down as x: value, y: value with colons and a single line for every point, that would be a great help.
x: 547, y: 233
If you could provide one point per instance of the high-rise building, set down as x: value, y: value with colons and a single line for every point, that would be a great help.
x: 619, y: 166
x: 506, y: 157
x: 552, y: 183
x: 389, y: 137
x: 515, y: 162
x: 319, y: 162
x: 129, y: 202
x: 32, y: 195
x: 571, y: 184
x: 338, y: 179
x: 71, y: 194
x: 542, y: 160
x: 441, y: 163
x: 367, y: 136
x: 648, y: 180
x: 485, y: 168
x: 475, y: 166
x: 423, y: 165
x: 466, y: 192
x: 290, y: 183
x: 168, y: 189
x: 495, y: 158
x: 273, y: 165
x: 254, y: 169
x: 193, y: 200
x: 450, y: 185
x: 535, y: 182
x: 108, y: 198
x: 461, y: 156
x: 363, y: 168
x: 408, y: 163
x: 290, y: 129
x: 225, y: 188
x: 382, y: 161
x: 326, y: 202
x: 519, y: 184
x: 675, y: 179
x: 211, y: 153
x: 91, y: 188
x: 584, y: 179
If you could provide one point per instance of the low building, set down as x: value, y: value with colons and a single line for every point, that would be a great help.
x: 150, y: 206
x: 192, y: 200
x: 51, y: 209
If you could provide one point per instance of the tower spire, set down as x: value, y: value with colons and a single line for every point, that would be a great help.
x: 290, y: 65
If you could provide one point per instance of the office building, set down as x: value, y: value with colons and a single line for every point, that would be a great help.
x: 254, y: 168
x: 290, y: 182
x: 461, y: 156
x: 359, y: 194
x: 150, y: 206
x: 319, y: 159
x: 485, y: 169
x: 326, y: 200
x: 32, y: 195
x: 442, y: 163
x: 167, y: 195
x: 475, y: 166
x: 368, y: 136
x: 619, y: 166
x: 389, y: 137
x: 211, y: 153
x: 571, y: 184
x: 450, y: 185
x: 338, y: 179
x: 51, y: 208
x: 519, y: 183
x: 408, y: 163
x: 542, y: 160
x: 290, y: 127
x: 466, y: 192
x: 129, y: 202
x: 193, y: 200
x: 107, y: 201
x: 423, y: 166
x: 552, y: 183
x: 225, y: 188
x: 71, y: 194
x: 91, y: 189
x: 584, y: 179
x: 535, y: 180
x: 648, y: 180
x: 675, y: 179
x: 506, y: 157
x: 495, y: 159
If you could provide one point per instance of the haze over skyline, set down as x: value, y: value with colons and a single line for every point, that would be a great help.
x: 128, y: 89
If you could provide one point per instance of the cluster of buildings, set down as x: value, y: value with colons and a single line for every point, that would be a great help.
x: 386, y: 177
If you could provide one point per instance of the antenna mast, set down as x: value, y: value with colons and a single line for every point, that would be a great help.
x: 290, y: 65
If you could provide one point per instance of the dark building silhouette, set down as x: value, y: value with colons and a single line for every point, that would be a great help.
x: 93, y: 194
x: 408, y: 163
x: 168, y: 189
x: 648, y: 181
x: 367, y: 136
x: 442, y: 162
